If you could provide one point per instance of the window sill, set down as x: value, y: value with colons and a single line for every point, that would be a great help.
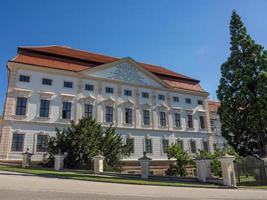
x: 190, y: 129
x: 65, y: 120
x: 177, y: 128
x: 146, y: 126
x: 43, y: 118
x: 20, y: 117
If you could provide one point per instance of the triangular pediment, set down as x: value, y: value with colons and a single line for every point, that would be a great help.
x: 126, y: 70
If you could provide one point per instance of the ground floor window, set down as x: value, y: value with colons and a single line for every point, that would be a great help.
x: 130, y: 144
x: 165, y: 145
x: 148, y: 145
x: 193, y: 146
x: 180, y: 144
x: 41, y: 143
x: 205, y: 146
x: 17, y: 142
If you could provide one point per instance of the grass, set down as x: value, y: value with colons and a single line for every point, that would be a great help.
x: 88, y: 177
x: 250, y: 182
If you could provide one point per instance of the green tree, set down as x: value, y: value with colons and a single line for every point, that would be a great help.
x: 182, y: 160
x: 243, y: 93
x: 82, y: 141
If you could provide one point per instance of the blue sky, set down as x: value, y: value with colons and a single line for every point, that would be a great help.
x: 189, y: 37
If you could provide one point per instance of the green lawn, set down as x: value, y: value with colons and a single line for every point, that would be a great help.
x: 88, y: 177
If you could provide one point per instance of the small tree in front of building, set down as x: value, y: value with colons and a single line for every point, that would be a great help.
x: 82, y: 141
x: 182, y: 160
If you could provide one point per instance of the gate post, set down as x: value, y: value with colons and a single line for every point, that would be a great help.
x: 145, y: 166
x: 265, y: 166
x: 228, y: 170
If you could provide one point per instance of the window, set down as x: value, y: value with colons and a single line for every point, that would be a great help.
x: 187, y: 100
x: 162, y: 118
x: 148, y: 145
x: 128, y: 92
x: 146, y: 117
x: 89, y: 87
x: 177, y: 120
x: 109, y: 90
x: 88, y: 110
x: 66, y: 111
x: 180, y: 144
x: 161, y: 97
x: 199, y: 102
x: 44, y: 108
x: 23, y: 78
x: 21, y: 106
x: 41, y: 143
x: 212, y: 124
x: 165, y: 145
x: 130, y: 144
x: 145, y: 95
x: 205, y: 145
x: 47, y: 81
x: 68, y: 84
x: 190, y: 121
x: 17, y: 142
x: 128, y: 116
x: 109, y: 114
x: 175, y: 99
x: 202, y: 122
x: 193, y: 146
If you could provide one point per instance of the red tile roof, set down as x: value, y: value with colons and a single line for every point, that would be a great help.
x: 65, y: 58
x: 213, y: 106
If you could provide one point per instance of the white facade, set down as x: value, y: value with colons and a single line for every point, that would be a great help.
x: 122, y: 75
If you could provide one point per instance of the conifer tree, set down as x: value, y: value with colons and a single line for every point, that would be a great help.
x: 243, y: 93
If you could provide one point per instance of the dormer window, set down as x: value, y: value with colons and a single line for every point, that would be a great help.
x: 109, y: 90
x: 68, y: 84
x: 24, y: 78
x: 89, y: 87
x: 161, y: 97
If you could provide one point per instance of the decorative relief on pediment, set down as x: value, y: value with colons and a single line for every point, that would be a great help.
x: 109, y: 102
x: 127, y: 72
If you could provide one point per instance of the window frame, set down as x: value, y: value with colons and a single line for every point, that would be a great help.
x: 175, y: 120
x: 162, y: 119
x: 132, y: 150
x: 146, y: 117
x: 88, y: 113
x: 190, y: 121
x: 22, y: 143
x: 180, y: 143
x: 145, y: 95
x: 47, y: 83
x: 36, y: 146
x: 68, y: 84
x: 67, y: 111
x: 109, y: 114
x: 161, y: 97
x: 200, y: 102
x: 193, y: 150
x: 188, y: 101
x: 21, y: 107
x: 22, y: 78
x: 109, y: 90
x: 177, y: 99
x: 150, y: 146
x: 165, y: 146
x: 45, y: 108
x: 128, y: 119
x: 88, y: 87
x: 202, y: 123
x: 127, y: 92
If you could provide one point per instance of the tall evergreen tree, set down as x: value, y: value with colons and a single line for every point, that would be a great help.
x: 243, y: 93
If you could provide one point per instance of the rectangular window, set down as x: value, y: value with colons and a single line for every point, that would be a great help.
x: 68, y: 84
x: 205, y: 146
x: 130, y: 144
x: 202, y: 122
x: 199, y: 102
x: 212, y: 124
x: 146, y: 118
x: 89, y: 87
x: 190, y: 121
x: 17, y: 142
x: 24, y: 78
x: 128, y: 116
x: 175, y: 99
x: 162, y: 117
x: 145, y: 95
x: 148, y: 145
x: 109, y: 114
x: 128, y: 92
x: 21, y: 106
x: 66, y: 111
x: 187, y: 100
x: 177, y: 120
x: 47, y: 81
x: 193, y: 146
x: 180, y: 144
x: 41, y: 143
x: 109, y: 90
x: 44, y: 108
x: 161, y: 97
x: 88, y: 110
x: 165, y: 145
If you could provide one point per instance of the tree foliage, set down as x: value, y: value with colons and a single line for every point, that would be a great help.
x: 243, y: 93
x: 182, y: 160
x: 82, y: 141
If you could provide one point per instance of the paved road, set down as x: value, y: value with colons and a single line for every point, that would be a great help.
x: 24, y: 186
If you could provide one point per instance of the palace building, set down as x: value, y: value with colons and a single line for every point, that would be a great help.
x: 150, y: 106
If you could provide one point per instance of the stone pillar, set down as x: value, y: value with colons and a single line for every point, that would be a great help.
x: 98, y: 164
x: 145, y: 166
x: 228, y: 170
x: 265, y: 166
x: 59, y: 162
x: 203, y: 168
x: 26, y: 159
